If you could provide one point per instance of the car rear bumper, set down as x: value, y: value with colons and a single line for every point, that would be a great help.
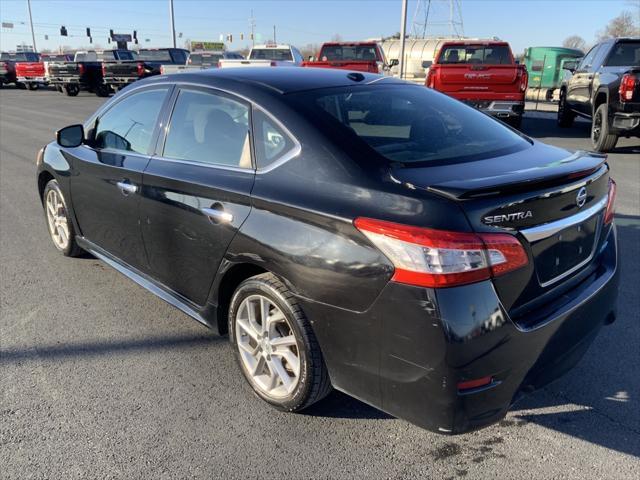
x: 33, y: 80
x: 626, y: 123
x: 500, y: 108
x: 408, y: 352
x: 120, y: 80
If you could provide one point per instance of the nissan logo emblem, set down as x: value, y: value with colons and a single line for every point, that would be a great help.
x: 581, y: 198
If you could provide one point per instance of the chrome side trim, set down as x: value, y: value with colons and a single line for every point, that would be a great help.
x: 141, y: 280
x: 546, y: 230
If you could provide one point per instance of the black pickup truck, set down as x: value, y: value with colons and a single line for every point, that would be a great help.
x: 85, y: 72
x: 147, y: 63
x: 604, y: 87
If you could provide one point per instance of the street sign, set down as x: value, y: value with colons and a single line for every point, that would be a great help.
x: 209, y: 46
x: 7, y: 25
x: 121, y: 37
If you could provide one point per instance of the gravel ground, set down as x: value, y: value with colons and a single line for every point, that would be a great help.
x: 100, y: 379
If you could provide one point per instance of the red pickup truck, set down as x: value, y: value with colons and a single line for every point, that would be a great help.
x: 483, y: 74
x: 359, y: 56
x: 31, y: 73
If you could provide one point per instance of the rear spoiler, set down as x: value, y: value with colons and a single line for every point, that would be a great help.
x: 578, y: 166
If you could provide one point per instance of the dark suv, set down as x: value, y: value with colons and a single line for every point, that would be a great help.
x: 346, y: 230
x: 605, y: 88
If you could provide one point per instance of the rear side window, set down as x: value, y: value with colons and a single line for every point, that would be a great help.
x: 129, y: 124
x: 476, y: 54
x: 209, y: 128
x: 271, y: 141
x: 410, y: 124
x: 625, y: 54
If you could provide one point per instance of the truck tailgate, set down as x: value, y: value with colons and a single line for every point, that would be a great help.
x: 470, y: 78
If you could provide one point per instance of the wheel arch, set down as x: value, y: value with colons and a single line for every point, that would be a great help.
x: 602, y: 96
x: 44, y: 177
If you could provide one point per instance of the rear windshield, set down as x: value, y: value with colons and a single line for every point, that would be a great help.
x: 271, y: 54
x: 154, y: 55
x: 348, y: 52
x: 21, y: 57
x: 56, y: 58
x: 204, y: 59
x: 410, y: 124
x: 625, y: 54
x: 476, y: 54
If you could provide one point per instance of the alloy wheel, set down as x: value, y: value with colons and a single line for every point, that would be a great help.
x: 268, y: 347
x: 57, y: 220
x: 596, y: 129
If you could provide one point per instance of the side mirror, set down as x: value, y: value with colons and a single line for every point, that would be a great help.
x: 426, y: 63
x: 570, y: 65
x: 393, y: 62
x: 71, y: 136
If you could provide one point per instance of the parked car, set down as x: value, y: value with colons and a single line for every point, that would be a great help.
x: 8, y: 67
x: 605, y: 88
x: 545, y: 66
x: 200, y: 61
x: 30, y: 72
x: 358, y: 56
x: 347, y: 230
x: 483, y: 74
x: 85, y: 71
x: 269, y: 55
x: 147, y: 63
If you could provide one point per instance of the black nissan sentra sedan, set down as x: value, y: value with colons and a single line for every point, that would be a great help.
x: 346, y: 230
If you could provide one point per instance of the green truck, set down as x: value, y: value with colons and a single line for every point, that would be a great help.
x: 545, y: 65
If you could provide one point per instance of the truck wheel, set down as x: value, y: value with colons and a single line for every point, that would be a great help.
x: 21, y: 85
x: 565, y: 116
x: 71, y: 90
x: 601, y: 139
x: 103, y: 90
x: 32, y: 86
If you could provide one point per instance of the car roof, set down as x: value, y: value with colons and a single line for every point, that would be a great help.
x: 282, y: 79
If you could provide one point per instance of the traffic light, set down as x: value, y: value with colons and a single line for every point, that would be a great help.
x: 90, y: 40
x: 242, y: 36
x: 88, y: 32
x: 111, y: 33
x: 63, y: 31
x: 135, y: 35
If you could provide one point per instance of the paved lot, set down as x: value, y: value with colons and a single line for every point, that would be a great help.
x: 100, y: 379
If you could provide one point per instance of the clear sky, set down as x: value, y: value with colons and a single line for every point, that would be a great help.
x: 521, y: 22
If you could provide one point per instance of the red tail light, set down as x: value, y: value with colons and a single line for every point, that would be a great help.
x: 140, y: 69
x: 524, y: 79
x: 437, y: 258
x: 104, y: 70
x: 611, y: 202
x: 627, y: 86
x: 81, y: 68
x: 161, y: 70
x: 471, y: 384
x: 431, y: 77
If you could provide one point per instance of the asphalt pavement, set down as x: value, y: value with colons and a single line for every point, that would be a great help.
x: 100, y: 379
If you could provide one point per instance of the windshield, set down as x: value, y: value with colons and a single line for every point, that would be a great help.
x: 277, y: 54
x: 204, y: 59
x: 411, y: 124
x: 348, y: 52
x: 476, y: 54
x: 154, y: 55
x: 625, y: 54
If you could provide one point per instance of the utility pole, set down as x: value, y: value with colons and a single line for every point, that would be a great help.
x: 173, y: 24
x: 33, y: 35
x: 403, y: 29
x: 252, y: 23
x: 274, y: 34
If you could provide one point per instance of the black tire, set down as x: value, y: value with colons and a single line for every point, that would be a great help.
x: 103, y: 90
x: 71, y: 90
x: 21, y: 86
x: 71, y: 249
x: 32, y: 86
x: 601, y: 139
x: 565, y: 115
x: 313, y: 383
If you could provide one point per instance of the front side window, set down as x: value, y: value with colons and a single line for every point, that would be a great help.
x: 209, y: 128
x: 129, y: 125
x: 409, y: 124
x: 271, y: 141
x: 587, y: 61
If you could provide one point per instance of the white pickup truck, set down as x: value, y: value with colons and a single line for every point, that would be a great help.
x: 270, y: 55
x: 200, y: 60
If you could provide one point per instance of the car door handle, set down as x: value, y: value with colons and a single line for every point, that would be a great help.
x: 216, y: 215
x: 127, y: 188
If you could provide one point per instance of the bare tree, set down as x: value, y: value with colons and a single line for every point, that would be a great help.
x: 309, y: 50
x: 575, y: 41
x: 624, y: 25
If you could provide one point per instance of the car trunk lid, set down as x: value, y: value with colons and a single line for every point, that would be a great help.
x: 553, y: 201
